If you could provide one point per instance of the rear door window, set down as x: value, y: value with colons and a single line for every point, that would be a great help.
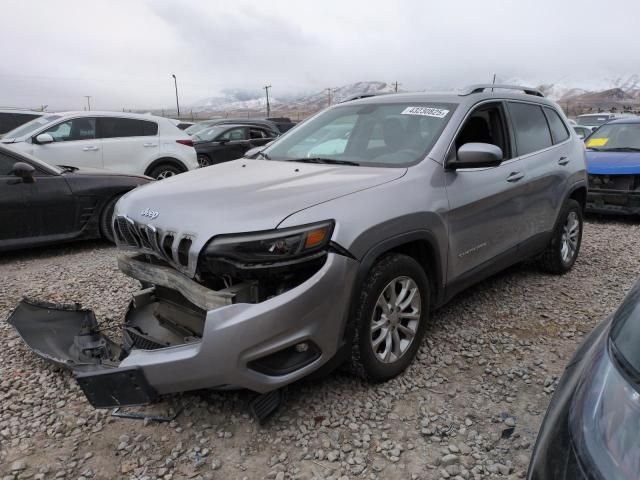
x: 559, y: 131
x: 530, y: 127
x: 111, y: 127
x: 234, y: 134
x: 257, y: 133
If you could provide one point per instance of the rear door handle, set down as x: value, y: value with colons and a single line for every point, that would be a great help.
x: 515, y: 176
x: 150, y: 145
x: 90, y: 149
x: 563, y: 161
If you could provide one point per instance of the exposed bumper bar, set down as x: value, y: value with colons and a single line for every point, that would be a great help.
x: 197, y: 294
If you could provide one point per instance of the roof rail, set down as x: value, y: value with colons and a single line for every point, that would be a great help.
x: 359, y: 96
x: 485, y: 86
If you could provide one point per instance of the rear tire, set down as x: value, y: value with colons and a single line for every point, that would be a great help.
x: 562, y: 251
x: 391, y: 318
x: 165, y: 170
x: 204, y: 160
x: 106, y: 219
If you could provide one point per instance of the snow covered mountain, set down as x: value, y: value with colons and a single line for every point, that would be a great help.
x: 602, y: 93
x: 243, y: 100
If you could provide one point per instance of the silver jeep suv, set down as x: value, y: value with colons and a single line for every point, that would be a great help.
x: 333, y: 246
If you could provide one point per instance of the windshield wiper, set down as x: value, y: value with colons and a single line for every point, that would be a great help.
x: 327, y: 161
x: 621, y: 149
x: 263, y: 155
x: 68, y: 168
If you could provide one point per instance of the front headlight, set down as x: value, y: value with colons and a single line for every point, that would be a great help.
x: 605, y: 420
x: 272, y: 246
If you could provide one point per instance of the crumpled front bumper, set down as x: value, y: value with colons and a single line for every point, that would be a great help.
x: 627, y: 203
x: 235, y: 336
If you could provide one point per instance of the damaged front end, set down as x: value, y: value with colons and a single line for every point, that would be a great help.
x: 237, y: 323
x: 617, y: 194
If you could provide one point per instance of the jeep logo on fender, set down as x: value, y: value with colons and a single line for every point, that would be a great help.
x: 149, y: 213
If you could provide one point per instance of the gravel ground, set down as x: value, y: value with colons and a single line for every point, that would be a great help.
x: 469, y: 407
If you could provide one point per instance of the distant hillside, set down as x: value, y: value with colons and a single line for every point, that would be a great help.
x: 574, y: 96
x: 253, y: 103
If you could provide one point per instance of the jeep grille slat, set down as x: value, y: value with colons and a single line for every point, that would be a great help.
x: 149, y: 239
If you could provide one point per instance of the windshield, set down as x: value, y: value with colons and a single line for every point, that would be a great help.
x: 380, y: 134
x: 593, y: 120
x: 208, y: 134
x: 31, y: 126
x: 626, y: 329
x: 616, y: 136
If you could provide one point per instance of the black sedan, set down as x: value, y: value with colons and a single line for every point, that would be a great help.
x: 592, y: 427
x: 42, y: 204
x: 222, y: 143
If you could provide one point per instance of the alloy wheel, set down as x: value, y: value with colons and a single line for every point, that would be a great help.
x: 569, y: 239
x: 165, y: 174
x: 395, y: 320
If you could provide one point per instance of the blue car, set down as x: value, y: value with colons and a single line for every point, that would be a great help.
x: 613, y: 165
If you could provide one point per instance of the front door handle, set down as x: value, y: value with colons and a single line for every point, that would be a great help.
x: 563, y: 161
x: 515, y: 176
x: 149, y: 144
x: 92, y: 148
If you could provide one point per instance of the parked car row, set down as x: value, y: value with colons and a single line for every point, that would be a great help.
x: 42, y: 203
x: 120, y: 142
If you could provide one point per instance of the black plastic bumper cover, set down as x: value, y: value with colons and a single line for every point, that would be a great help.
x: 116, y: 387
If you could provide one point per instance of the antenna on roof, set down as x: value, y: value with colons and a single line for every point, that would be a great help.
x: 494, y: 81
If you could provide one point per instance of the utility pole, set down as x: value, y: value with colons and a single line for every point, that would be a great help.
x: 266, y: 91
x: 395, y: 85
x: 330, y: 92
x: 88, y: 97
x: 175, y: 81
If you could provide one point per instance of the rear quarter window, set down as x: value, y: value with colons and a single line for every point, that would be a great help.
x: 559, y: 131
x: 125, y: 127
x: 530, y: 127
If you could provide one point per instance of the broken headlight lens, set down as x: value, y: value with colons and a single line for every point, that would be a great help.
x: 272, y: 245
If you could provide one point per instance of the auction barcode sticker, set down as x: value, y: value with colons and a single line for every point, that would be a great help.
x: 426, y: 111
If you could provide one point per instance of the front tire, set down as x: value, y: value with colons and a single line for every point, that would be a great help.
x: 562, y: 251
x: 391, y: 318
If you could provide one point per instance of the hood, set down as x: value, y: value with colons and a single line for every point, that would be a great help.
x: 243, y: 195
x: 613, y: 163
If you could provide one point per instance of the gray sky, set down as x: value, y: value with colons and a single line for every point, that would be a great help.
x: 123, y: 52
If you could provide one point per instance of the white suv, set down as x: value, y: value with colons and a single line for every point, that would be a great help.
x: 123, y: 142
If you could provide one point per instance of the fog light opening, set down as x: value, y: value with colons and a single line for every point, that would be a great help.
x: 287, y: 360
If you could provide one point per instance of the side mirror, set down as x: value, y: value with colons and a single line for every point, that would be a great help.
x: 222, y: 141
x: 478, y: 155
x: 24, y: 171
x: 44, y: 138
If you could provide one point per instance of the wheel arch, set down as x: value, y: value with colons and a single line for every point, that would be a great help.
x: 579, y: 193
x: 165, y: 160
x: 421, y: 245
